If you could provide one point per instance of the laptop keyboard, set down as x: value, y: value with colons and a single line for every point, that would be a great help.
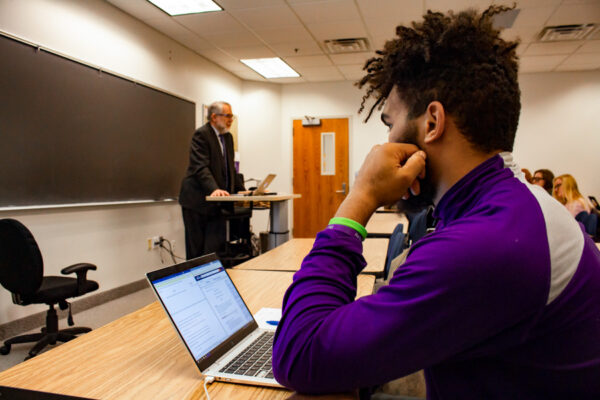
x: 255, y: 360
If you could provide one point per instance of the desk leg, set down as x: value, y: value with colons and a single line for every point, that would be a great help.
x: 278, y: 215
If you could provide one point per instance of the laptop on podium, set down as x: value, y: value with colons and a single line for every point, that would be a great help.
x: 213, y: 321
x: 262, y: 186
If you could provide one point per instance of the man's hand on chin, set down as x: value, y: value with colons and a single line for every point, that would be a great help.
x: 388, y: 173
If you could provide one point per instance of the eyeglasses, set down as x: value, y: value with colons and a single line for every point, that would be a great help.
x: 225, y: 115
x: 536, y: 179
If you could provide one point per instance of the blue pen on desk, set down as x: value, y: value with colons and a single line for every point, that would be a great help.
x: 274, y: 323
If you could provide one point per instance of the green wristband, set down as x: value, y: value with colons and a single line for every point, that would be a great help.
x: 351, y: 224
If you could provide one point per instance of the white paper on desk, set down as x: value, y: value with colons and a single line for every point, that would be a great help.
x: 267, y: 314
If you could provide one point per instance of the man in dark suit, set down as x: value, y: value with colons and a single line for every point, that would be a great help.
x: 211, y: 172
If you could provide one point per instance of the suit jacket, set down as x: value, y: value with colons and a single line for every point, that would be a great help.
x: 206, y: 171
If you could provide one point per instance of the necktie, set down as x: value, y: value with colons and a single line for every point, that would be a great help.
x: 226, y: 169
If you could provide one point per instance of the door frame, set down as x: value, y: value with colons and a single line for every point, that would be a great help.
x: 291, y: 151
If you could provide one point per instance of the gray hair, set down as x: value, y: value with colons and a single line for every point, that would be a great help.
x: 216, y: 108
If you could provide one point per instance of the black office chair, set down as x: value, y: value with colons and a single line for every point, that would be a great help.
x: 238, y: 245
x: 21, y: 272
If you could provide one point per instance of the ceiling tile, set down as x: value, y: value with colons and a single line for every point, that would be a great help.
x: 325, y: 78
x: 233, y: 66
x: 337, y: 30
x: 568, y: 14
x: 352, y: 58
x: 580, y: 62
x: 528, y: 3
x: 402, y: 11
x: 180, y: 33
x: 382, y: 27
x: 308, y: 61
x: 590, y: 46
x: 379, y: 42
x: 456, y: 5
x: 327, y: 11
x: 297, y: 49
x: 234, y: 39
x: 249, y: 52
x: 290, y: 34
x: 581, y: 2
x: 210, y: 23
x: 521, y: 48
x: 573, y: 68
x: 216, y: 55
x: 243, y: 4
x: 589, y: 58
x: 526, y: 34
x: 533, y: 17
x: 270, y: 17
x: 539, y: 63
x: 352, y: 72
x: 288, y: 80
x: 141, y: 9
x: 553, y: 48
x: 250, y: 75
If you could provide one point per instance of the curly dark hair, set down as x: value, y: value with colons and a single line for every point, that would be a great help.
x: 460, y: 61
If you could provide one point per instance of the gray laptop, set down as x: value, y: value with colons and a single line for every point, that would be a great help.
x: 213, y: 321
x: 262, y: 186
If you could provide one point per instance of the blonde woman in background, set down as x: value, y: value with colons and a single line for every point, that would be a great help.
x: 565, y: 191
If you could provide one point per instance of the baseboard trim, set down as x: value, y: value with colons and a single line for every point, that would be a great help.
x: 33, y: 321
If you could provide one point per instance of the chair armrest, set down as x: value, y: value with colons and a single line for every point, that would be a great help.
x: 81, y: 270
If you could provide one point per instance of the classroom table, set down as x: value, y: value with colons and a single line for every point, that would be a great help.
x: 139, y: 356
x: 382, y: 224
x: 289, y: 256
x: 278, y: 213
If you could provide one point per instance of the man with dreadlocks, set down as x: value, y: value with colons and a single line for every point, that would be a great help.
x: 502, y: 300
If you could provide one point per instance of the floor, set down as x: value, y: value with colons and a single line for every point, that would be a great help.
x: 93, y: 318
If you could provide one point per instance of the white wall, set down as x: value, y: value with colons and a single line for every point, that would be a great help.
x: 261, y: 141
x: 559, y: 127
x: 111, y: 237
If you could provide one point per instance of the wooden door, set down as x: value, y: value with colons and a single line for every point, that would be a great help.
x: 320, y: 173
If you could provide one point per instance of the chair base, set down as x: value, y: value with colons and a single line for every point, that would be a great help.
x: 43, y: 339
x: 49, y: 335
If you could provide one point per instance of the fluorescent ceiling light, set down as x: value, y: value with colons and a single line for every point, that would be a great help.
x: 179, y: 7
x: 271, y: 67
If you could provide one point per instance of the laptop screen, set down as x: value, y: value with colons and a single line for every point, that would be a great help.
x: 203, y: 304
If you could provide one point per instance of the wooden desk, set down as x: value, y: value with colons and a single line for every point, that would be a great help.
x: 289, y: 256
x: 278, y: 213
x: 139, y: 355
x: 383, y: 224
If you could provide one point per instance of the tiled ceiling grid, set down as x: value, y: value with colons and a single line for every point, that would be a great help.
x: 295, y: 30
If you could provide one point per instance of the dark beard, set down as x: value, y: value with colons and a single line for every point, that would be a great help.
x: 420, y: 202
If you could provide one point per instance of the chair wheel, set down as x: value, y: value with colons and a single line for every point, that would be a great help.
x: 4, y: 350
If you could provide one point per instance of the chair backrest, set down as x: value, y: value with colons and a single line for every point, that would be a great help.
x: 420, y: 225
x: 21, y: 264
x: 590, y: 222
x: 396, y: 245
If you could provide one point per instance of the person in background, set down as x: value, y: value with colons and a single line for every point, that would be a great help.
x: 543, y: 178
x: 502, y: 299
x: 527, y: 174
x: 567, y: 193
x: 211, y: 172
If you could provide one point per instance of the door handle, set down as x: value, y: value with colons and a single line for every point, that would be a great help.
x: 343, y: 191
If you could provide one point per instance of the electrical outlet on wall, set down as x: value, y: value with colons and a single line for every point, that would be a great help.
x: 154, y: 242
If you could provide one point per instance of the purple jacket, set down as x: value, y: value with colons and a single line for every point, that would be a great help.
x: 501, y: 301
